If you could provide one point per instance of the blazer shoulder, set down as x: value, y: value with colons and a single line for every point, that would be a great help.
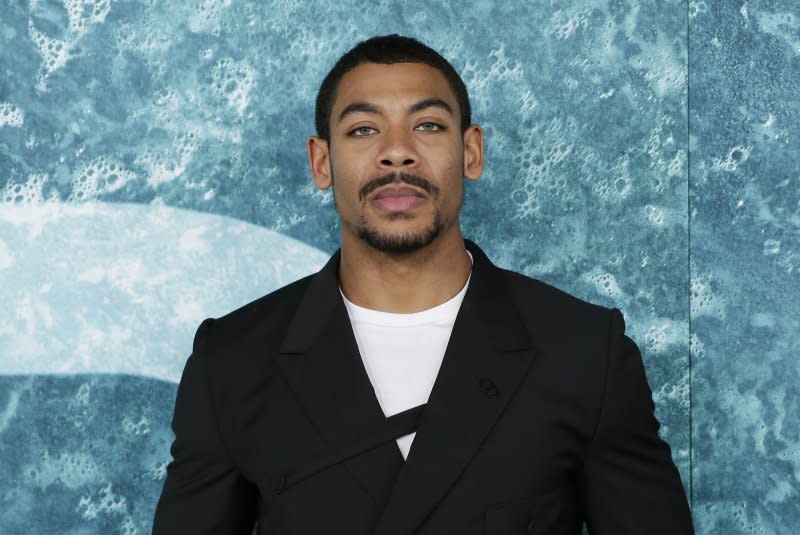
x: 268, y: 314
x: 559, y: 321
x: 533, y: 294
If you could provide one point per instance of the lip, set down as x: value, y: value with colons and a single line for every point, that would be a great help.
x: 397, y: 198
x: 396, y: 191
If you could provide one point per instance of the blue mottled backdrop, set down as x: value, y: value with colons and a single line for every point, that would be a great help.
x: 641, y: 154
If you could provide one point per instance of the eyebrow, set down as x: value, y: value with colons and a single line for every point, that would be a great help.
x: 368, y: 107
x: 431, y: 103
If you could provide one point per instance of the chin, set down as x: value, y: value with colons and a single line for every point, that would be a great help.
x: 407, y: 242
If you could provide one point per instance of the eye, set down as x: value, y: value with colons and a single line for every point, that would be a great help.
x: 430, y: 127
x: 362, y: 131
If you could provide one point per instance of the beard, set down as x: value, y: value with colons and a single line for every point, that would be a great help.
x: 396, y: 243
x: 403, y: 243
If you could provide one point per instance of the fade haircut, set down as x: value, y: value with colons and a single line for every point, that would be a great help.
x: 386, y: 50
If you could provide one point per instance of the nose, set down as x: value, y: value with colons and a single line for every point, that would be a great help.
x: 397, y: 150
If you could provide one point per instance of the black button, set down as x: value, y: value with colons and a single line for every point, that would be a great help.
x: 490, y: 389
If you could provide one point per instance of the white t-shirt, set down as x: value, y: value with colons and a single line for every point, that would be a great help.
x: 402, y: 353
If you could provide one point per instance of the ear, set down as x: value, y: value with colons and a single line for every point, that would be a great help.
x: 319, y: 161
x: 473, y: 152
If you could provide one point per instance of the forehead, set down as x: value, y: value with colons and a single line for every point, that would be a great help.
x: 400, y: 83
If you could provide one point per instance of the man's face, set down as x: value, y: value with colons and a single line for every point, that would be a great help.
x: 396, y: 157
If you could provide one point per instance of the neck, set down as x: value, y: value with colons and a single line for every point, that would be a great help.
x: 403, y: 283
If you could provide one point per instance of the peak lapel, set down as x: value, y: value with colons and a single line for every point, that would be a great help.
x: 321, y: 362
x: 485, y: 361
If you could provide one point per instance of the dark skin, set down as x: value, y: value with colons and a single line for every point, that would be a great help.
x: 388, y: 119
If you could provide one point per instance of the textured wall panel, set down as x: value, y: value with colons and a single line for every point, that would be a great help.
x: 82, y: 453
x: 745, y: 245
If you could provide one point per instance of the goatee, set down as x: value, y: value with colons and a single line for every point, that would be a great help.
x: 406, y: 243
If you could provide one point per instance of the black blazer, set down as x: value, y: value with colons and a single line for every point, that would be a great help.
x: 540, y: 418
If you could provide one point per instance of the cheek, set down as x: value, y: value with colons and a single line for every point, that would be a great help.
x: 455, y: 169
x: 344, y: 190
x: 344, y: 177
x: 443, y: 164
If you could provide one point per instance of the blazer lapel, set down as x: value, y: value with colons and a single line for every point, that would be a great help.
x: 320, y: 360
x: 486, y: 359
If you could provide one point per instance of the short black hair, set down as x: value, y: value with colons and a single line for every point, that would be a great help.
x: 386, y: 50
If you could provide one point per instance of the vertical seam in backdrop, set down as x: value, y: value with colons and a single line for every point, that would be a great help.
x: 689, y: 245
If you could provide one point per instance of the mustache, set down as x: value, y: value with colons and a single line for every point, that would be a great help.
x: 398, y: 177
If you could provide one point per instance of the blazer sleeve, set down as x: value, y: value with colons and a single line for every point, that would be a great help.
x: 630, y: 482
x: 203, y: 491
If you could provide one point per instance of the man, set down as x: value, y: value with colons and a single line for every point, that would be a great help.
x: 517, y: 408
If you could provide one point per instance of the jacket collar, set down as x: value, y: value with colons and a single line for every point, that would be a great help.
x: 487, y: 293
x: 486, y: 358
